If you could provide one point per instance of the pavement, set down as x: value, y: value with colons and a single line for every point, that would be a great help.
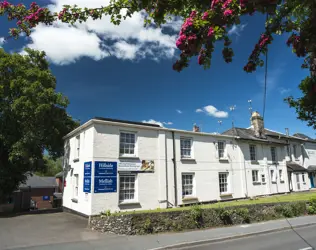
x: 65, y: 231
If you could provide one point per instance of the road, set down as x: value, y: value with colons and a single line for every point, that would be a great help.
x: 284, y: 240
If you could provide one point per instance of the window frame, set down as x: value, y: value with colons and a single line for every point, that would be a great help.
x: 135, y: 192
x: 272, y: 175
x: 75, y: 186
x: 128, y: 143
x: 182, y: 156
x: 281, y: 175
x: 224, y: 150
x: 77, y: 152
x: 257, y: 176
x: 263, y: 178
x: 227, y: 183
x: 184, y: 185
x: 255, y: 152
x: 275, y: 156
x: 303, y: 178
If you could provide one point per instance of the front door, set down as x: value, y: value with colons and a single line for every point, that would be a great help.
x: 311, y: 177
x: 298, y: 184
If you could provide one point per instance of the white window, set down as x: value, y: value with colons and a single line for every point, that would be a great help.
x: 187, y: 185
x: 263, y: 178
x: 295, y: 151
x: 281, y: 175
x: 255, y: 176
x: 127, y: 143
x: 186, y: 147
x: 273, y: 154
x: 221, y: 149
x: 75, y: 185
x: 223, y: 183
x: 127, y: 188
x: 252, y: 150
x: 272, y: 175
x: 303, y: 178
x: 77, y: 147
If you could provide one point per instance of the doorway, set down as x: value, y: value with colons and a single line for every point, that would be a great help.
x: 311, y: 177
x: 298, y: 184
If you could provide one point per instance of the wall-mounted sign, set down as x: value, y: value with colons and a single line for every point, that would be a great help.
x: 105, y: 184
x: 139, y: 166
x: 105, y: 177
x: 105, y: 168
x: 87, y: 177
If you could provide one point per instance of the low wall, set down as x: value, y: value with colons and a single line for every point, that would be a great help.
x: 193, y: 218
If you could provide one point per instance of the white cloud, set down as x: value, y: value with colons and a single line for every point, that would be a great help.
x: 284, y: 90
x: 237, y: 29
x: 179, y: 111
x: 212, y: 111
x: 1, y: 41
x: 161, y: 124
x: 98, y: 39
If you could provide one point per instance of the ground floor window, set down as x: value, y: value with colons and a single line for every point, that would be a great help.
x: 263, y: 178
x: 223, y: 183
x: 187, y: 184
x: 303, y: 177
x: 75, y: 185
x: 255, y: 176
x: 127, y: 187
x: 281, y: 175
x: 272, y: 174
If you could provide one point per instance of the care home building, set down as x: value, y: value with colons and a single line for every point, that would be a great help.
x: 121, y: 165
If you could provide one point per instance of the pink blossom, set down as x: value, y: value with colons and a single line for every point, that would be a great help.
x: 180, y: 43
x: 187, y: 23
x: 214, y: 2
x: 33, y: 5
x: 205, y: 15
x: 193, y: 14
x: 19, y: 22
x: 225, y: 5
x: 5, y: 4
x: 228, y: 12
x: 210, y: 32
x: 192, y: 38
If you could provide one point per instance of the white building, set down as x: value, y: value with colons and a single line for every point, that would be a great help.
x: 120, y: 165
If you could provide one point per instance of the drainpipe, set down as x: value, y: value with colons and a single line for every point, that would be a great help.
x: 166, y: 159
x: 245, y: 173
x: 175, y: 171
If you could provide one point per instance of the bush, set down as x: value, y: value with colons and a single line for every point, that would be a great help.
x: 244, y: 214
x: 226, y: 216
x: 196, y: 214
x: 147, y: 226
x: 311, y: 209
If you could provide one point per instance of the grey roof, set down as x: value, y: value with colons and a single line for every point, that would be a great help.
x: 249, y: 134
x: 128, y: 122
x: 293, y: 166
x: 36, y: 181
x: 305, y: 137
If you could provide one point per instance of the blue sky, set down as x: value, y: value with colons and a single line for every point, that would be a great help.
x: 126, y: 73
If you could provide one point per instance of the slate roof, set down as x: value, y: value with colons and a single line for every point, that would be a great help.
x: 293, y: 166
x: 305, y: 137
x: 128, y: 122
x: 36, y: 181
x: 249, y: 134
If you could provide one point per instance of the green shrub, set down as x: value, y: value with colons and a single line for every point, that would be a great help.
x: 298, y: 208
x: 244, y: 214
x: 311, y: 209
x: 196, y: 214
x: 147, y: 226
x: 106, y: 213
x: 226, y: 216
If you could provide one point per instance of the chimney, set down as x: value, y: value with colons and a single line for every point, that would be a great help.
x: 257, y: 123
x: 287, y: 131
x: 196, y: 128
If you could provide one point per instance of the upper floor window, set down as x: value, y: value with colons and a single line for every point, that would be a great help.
x: 77, y: 147
x: 186, y: 147
x: 295, y: 151
x: 221, y: 149
x: 127, y: 143
x: 252, y: 149
x: 273, y: 154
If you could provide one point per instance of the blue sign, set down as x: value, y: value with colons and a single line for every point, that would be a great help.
x: 46, y: 198
x: 105, y: 168
x: 105, y: 177
x: 87, y: 168
x: 87, y: 177
x: 105, y: 184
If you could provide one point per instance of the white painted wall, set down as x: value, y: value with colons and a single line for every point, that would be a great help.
x: 298, y: 182
x: 264, y: 165
x: 83, y: 204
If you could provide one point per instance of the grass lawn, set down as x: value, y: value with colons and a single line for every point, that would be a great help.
x: 305, y: 196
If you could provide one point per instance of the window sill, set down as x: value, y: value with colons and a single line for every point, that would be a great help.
x: 122, y: 203
x: 76, y: 160
x: 256, y: 182
x: 274, y: 182
x: 223, y: 159
x: 297, y: 159
x: 225, y: 194
x: 282, y: 181
x: 187, y: 159
x: 263, y: 183
x: 254, y: 162
x: 128, y: 157
x: 190, y: 198
x: 74, y: 200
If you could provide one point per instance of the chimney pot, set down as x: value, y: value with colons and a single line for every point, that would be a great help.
x: 196, y: 128
x: 257, y: 124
